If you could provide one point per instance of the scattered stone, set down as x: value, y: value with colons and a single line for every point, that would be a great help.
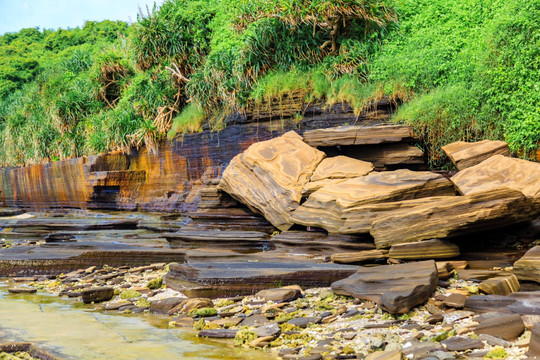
x: 163, y: 306
x: 497, y: 172
x: 268, y: 330
x: 396, y: 288
x: 452, y: 217
x: 22, y: 290
x: 24, y: 279
x: 534, y: 344
x: 506, y: 326
x: 256, y: 321
x: 116, y: 305
x: 184, y: 322
x: 97, y: 294
x: 279, y: 294
x: 435, y: 319
x: 303, y: 322
x: 218, y: 333
x: 494, y: 341
x: 459, y: 343
x: 501, y: 285
x: 385, y: 355
x: 455, y: 301
x: 464, y: 154
x: 427, y: 249
x: 528, y: 267
x: 481, y: 275
x: 269, y: 176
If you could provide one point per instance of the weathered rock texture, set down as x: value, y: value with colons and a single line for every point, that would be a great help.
x: 500, y: 171
x: 324, y: 208
x: 528, y: 267
x: 500, y: 285
x: 170, y: 179
x: 396, y: 288
x: 270, y: 175
x: 336, y: 169
x: 456, y: 216
x: 358, y: 135
x: 464, y: 154
x: 386, y: 155
x: 429, y: 249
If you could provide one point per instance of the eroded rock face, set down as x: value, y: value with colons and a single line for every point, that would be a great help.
x: 500, y: 171
x: 396, y: 288
x: 452, y: 217
x: 528, y: 267
x: 358, y: 135
x: 464, y: 154
x: 324, y: 208
x: 270, y: 175
x: 428, y: 249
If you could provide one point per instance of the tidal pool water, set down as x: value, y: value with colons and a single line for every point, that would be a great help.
x: 71, y: 330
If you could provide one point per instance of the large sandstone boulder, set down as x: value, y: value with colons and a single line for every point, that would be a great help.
x: 358, y: 219
x: 324, y: 208
x: 452, y: 217
x: 464, y: 154
x: 358, y: 135
x: 269, y: 176
x: 500, y: 171
x: 528, y: 267
x: 396, y: 288
x: 337, y: 169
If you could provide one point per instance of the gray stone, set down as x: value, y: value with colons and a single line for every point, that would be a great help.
x: 97, y: 294
x: 256, y: 320
x: 305, y: 321
x: 460, y: 343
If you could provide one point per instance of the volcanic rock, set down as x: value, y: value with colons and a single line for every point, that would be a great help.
x: 506, y: 326
x: 427, y: 249
x: 464, y: 154
x: 358, y: 135
x: 97, y: 294
x: 500, y: 171
x: 270, y: 175
x: 528, y: 267
x: 500, y: 285
x: 452, y: 217
x: 396, y: 288
x: 324, y: 207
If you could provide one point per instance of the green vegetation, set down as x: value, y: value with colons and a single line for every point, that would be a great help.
x: 463, y: 70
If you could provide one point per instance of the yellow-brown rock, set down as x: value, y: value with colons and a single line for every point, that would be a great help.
x: 358, y: 256
x: 324, y: 207
x: 428, y: 249
x: 528, y: 267
x: 500, y: 171
x: 334, y: 170
x: 382, y: 155
x: 452, y: 217
x: 270, y: 175
x: 500, y: 285
x: 358, y: 219
x: 464, y: 154
x: 358, y: 135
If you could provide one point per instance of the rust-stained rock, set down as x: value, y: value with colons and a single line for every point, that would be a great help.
x: 428, y: 249
x: 456, y: 216
x: 528, y: 267
x: 500, y: 171
x: 334, y: 170
x: 212, y: 280
x: 324, y: 207
x: 358, y: 256
x: 464, y: 154
x: 500, y: 285
x: 358, y: 135
x: 270, y: 175
x: 358, y: 219
x: 396, y: 288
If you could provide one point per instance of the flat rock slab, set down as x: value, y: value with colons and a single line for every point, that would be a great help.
x: 480, y: 275
x: 218, y: 333
x: 97, y: 294
x: 66, y: 223
x: 460, y: 343
x: 221, y: 237
x: 385, y: 355
x: 358, y: 135
x: 500, y: 171
x: 500, y: 285
x: 528, y: 267
x: 386, y: 155
x: 358, y: 256
x: 279, y: 294
x: 303, y: 322
x: 205, y: 279
x: 522, y: 303
x: 324, y: 208
x: 358, y: 219
x: 506, y: 326
x: 396, y: 288
x: 534, y: 344
x: 270, y: 175
x: 427, y: 249
x: 22, y: 290
x: 457, y: 216
x: 320, y: 241
x: 465, y: 154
